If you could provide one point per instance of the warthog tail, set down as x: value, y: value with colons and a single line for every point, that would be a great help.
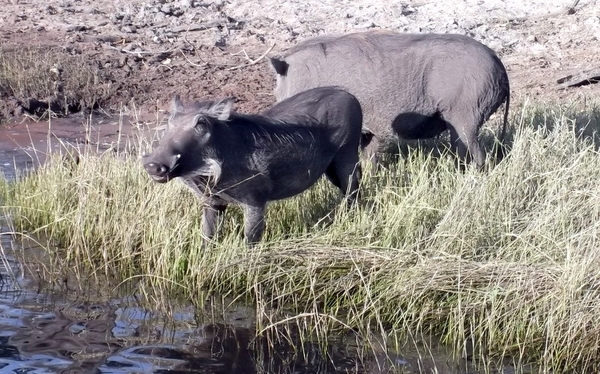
x: 500, y: 151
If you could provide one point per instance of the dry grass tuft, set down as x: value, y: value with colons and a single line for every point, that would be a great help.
x: 46, y: 78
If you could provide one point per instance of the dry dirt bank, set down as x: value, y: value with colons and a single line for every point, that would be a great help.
x: 143, y: 52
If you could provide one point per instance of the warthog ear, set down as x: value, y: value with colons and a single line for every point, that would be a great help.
x: 177, y: 104
x: 366, y: 136
x: 280, y: 66
x: 221, y: 109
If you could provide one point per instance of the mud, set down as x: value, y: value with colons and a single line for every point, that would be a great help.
x: 141, y: 53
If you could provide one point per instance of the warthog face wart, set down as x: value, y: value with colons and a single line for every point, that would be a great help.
x: 227, y: 157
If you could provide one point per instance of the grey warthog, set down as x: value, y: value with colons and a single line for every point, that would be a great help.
x: 228, y: 157
x: 413, y: 85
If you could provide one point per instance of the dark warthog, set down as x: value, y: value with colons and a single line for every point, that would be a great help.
x: 414, y: 85
x: 228, y: 157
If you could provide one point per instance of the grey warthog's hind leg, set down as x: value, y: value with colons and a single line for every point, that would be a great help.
x: 464, y: 140
x: 371, y: 148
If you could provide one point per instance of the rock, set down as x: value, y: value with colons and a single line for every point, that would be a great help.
x: 35, y: 106
x: 470, y: 24
x: 199, y: 26
x: 161, y: 57
x: 219, y: 40
x: 407, y: 10
x: 51, y: 10
x: 122, y: 61
x: 581, y: 78
x: 11, y: 108
x: 129, y: 29
x: 166, y: 9
x: 159, y: 17
x: 129, y: 47
x: 119, y: 16
x: 532, y: 39
x: 366, y: 25
x: 77, y: 28
x: 592, y: 22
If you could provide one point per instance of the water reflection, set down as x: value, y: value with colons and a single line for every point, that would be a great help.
x: 51, y: 338
x: 48, y: 332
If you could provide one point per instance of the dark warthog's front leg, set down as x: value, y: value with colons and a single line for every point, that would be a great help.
x: 212, y: 215
x: 254, y: 222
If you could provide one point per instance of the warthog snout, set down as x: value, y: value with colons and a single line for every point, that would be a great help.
x: 159, y: 171
x: 156, y: 170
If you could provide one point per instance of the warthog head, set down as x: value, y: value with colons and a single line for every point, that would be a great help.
x: 186, y: 150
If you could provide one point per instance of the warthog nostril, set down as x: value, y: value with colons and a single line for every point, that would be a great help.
x: 154, y: 168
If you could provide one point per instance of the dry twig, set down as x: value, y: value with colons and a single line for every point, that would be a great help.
x: 253, y: 62
x: 571, y: 9
x: 140, y: 53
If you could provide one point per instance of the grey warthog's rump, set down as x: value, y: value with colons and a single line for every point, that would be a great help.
x: 228, y: 157
x: 413, y: 85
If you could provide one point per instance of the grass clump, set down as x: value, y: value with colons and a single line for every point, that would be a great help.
x: 51, y: 78
x: 503, y: 261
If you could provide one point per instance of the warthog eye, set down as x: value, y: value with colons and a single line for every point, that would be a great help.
x: 200, y: 120
x: 202, y: 124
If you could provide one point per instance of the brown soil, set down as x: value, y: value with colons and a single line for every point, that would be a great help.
x: 145, y: 61
x: 147, y: 81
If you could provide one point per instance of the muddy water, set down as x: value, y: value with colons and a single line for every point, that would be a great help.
x: 44, y: 331
x: 25, y: 144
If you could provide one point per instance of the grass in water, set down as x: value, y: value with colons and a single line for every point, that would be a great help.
x: 504, y: 261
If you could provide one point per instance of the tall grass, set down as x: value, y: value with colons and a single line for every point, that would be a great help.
x: 503, y: 261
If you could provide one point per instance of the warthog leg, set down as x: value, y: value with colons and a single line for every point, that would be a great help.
x: 254, y: 222
x: 344, y: 172
x: 466, y: 145
x: 212, y: 215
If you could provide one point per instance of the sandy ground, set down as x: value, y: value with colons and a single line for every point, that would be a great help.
x: 147, y: 51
